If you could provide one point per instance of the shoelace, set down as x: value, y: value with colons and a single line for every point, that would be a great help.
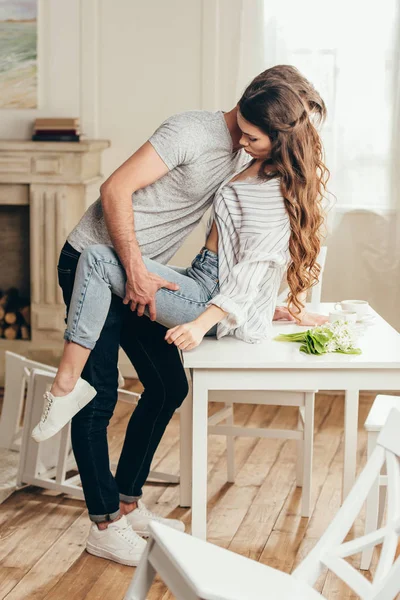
x: 49, y: 402
x: 129, y: 535
x: 147, y: 513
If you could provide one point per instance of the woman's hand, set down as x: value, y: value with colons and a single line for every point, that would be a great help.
x: 282, y: 314
x: 307, y: 319
x: 312, y: 319
x: 186, y: 336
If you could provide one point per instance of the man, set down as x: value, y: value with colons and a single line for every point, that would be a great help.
x: 148, y: 206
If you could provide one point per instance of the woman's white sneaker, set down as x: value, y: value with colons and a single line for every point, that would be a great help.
x: 117, y: 542
x: 58, y: 410
x: 140, y: 517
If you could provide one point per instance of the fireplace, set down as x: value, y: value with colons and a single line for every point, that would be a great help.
x: 44, y: 190
x: 14, y: 272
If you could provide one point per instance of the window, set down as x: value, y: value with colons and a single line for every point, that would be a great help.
x: 346, y: 48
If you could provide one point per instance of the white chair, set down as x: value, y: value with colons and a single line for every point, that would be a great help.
x: 375, y: 505
x: 194, y: 569
x: 46, y: 464
x: 303, y: 399
x: 31, y: 468
x: 17, y: 371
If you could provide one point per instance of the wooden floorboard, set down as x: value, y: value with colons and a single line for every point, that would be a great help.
x: 43, y: 534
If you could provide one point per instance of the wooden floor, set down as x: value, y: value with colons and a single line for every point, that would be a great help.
x: 42, y: 535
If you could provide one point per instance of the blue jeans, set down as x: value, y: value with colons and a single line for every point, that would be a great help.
x: 100, y: 274
x: 162, y: 375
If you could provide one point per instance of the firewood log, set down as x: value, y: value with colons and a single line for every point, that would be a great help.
x: 11, y: 318
x: 11, y: 332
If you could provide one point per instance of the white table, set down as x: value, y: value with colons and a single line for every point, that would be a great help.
x: 230, y: 364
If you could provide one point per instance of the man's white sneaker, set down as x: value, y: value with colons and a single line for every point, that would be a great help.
x: 140, y: 517
x: 58, y: 410
x: 118, y: 542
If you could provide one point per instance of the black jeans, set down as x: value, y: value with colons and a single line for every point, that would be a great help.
x: 160, y: 370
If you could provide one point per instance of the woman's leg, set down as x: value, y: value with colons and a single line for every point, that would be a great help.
x: 71, y: 365
x: 100, y: 274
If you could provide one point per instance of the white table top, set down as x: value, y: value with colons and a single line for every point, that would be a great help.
x: 379, y: 342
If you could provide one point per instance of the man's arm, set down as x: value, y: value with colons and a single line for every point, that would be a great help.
x: 143, y: 168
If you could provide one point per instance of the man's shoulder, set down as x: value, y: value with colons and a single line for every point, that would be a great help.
x: 197, y: 119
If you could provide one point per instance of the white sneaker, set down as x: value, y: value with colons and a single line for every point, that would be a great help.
x: 59, y: 410
x: 117, y: 542
x: 140, y: 517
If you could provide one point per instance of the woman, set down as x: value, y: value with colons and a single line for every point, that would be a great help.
x: 265, y: 220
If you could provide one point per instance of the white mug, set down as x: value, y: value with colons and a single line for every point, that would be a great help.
x: 343, y: 315
x: 361, y: 307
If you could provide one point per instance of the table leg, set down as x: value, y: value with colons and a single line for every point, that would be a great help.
x: 350, y: 440
x: 199, y: 456
x: 185, y: 470
x: 308, y: 448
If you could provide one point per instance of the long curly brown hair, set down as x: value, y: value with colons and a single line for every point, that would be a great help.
x: 280, y: 103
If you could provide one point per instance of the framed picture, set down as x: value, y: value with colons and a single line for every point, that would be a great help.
x: 18, y: 54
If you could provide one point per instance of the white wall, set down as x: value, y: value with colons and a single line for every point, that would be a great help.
x: 121, y: 67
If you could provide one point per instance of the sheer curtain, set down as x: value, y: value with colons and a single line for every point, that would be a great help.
x: 395, y: 177
x: 233, y: 49
x: 347, y: 50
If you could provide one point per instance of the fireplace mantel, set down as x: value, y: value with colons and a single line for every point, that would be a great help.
x: 53, y: 178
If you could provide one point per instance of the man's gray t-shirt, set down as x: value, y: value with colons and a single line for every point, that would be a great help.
x: 196, y: 146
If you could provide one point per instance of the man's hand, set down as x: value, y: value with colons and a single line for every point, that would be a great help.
x: 140, y: 291
x: 186, y: 336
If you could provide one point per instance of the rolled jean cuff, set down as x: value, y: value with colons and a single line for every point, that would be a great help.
x: 129, y: 499
x: 70, y: 337
x: 107, y: 517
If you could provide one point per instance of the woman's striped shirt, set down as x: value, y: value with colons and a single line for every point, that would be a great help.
x: 253, y: 254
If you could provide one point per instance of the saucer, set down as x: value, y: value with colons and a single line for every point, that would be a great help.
x: 366, y: 319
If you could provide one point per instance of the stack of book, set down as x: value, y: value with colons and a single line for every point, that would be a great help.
x: 56, y: 130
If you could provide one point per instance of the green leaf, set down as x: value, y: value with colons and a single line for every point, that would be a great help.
x: 319, y: 344
x: 291, y: 337
x: 304, y: 348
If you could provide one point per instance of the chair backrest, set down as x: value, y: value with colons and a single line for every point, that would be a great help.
x: 316, y: 290
x: 331, y: 550
x: 17, y: 370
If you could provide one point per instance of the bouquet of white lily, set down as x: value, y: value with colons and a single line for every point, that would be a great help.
x: 340, y: 336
